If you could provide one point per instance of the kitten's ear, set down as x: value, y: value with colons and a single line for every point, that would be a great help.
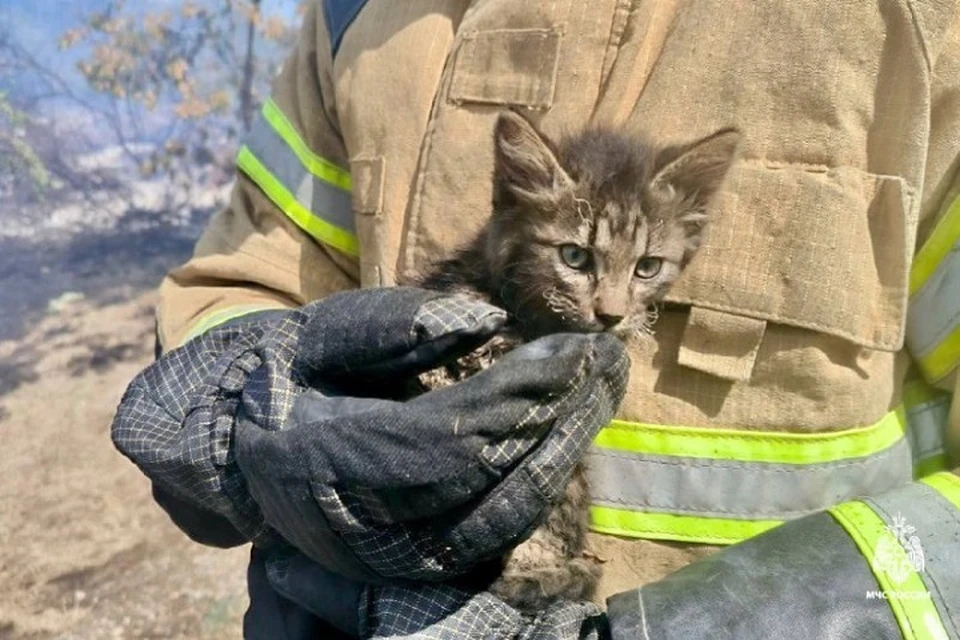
x: 525, y: 163
x: 697, y: 170
x: 691, y: 175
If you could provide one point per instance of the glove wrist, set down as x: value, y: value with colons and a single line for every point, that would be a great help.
x: 884, y: 566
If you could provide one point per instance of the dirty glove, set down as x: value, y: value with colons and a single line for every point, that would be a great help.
x: 279, y: 428
x: 421, y: 610
x: 428, y: 612
x: 880, y: 567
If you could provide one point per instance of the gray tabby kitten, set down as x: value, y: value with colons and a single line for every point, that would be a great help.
x: 586, y: 235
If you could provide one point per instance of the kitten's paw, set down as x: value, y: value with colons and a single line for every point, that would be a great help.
x: 531, y: 590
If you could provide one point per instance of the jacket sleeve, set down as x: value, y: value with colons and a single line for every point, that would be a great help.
x: 933, y: 320
x: 286, y: 237
x: 885, y: 566
x: 881, y: 567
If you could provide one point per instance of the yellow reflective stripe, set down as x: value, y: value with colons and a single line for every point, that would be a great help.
x: 933, y: 286
x: 316, y: 227
x: 216, y: 318
x: 936, y: 248
x: 679, y: 528
x: 916, y: 616
x: 918, y: 391
x: 753, y: 446
x: 931, y: 465
x: 943, y: 358
x: 320, y: 167
x: 947, y: 484
x: 927, y: 408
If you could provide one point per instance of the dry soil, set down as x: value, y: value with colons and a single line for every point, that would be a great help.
x: 84, y: 552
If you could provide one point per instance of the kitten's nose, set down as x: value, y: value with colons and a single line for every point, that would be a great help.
x: 608, y: 320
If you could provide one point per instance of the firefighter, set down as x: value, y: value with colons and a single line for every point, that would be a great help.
x: 780, y: 460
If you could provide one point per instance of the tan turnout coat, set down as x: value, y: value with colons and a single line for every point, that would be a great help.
x: 792, y: 316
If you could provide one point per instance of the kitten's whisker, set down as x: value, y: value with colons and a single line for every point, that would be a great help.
x: 652, y: 313
x: 559, y: 303
x: 644, y: 330
x: 581, y: 202
x: 649, y: 318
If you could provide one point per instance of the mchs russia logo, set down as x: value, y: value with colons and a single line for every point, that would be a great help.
x: 898, y: 552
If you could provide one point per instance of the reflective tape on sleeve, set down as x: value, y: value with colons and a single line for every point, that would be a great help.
x: 309, y: 189
x: 891, y: 564
x: 221, y: 316
x: 928, y: 410
x: 948, y: 486
x: 914, y: 554
x: 721, y: 486
x: 933, y: 317
x: 631, y: 522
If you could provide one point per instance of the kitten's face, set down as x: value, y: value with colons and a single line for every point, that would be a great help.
x: 587, y: 235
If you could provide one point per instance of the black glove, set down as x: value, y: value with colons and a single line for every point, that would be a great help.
x: 887, y: 566
x: 279, y: 427
x: 421, y: 610
x: 881, y: 567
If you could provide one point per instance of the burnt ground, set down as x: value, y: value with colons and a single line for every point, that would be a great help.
x: 84, y: 551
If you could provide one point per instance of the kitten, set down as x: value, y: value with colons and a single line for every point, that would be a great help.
x: 586, y: 235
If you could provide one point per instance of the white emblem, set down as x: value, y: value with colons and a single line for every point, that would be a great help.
x: 898, y: 552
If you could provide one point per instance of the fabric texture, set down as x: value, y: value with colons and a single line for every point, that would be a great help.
x: 289, y: 581
x: 852, y: 121
x: 397, y: 481
x: 805, y: 579
x: 275, y: 617
x: 400, y: 610
x: 272, y: 426
x: 437, y: 612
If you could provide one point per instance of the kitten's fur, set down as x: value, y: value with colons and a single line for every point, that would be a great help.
x: 630, y: 206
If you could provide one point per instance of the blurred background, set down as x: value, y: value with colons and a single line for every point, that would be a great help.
x: 119, y: 123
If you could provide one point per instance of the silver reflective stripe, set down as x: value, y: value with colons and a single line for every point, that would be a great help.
x: 926, y: 423
x: 321, y: 198
x: 934, y: 522
x: 740, y: 490
x: 935, y: 309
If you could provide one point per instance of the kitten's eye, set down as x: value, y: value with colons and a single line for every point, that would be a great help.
x: 648, y: 267
x: 575, y: 256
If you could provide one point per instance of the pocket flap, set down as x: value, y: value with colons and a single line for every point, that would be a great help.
x: 507, y: 66
x: 721, y: 344
x: 826, y: 250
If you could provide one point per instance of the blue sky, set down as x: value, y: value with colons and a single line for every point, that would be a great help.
x: 41, y: 17
x: 38, y: 24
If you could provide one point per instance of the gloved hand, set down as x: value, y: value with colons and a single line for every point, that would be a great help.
x: 881, y: 567
x: 887, y: 566
x: 439, y: 612
x: 421, y: 610
x: 278, y: 430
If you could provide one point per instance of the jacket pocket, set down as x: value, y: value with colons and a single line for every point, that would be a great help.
x: 506, y: 66
x: 823, y: 249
